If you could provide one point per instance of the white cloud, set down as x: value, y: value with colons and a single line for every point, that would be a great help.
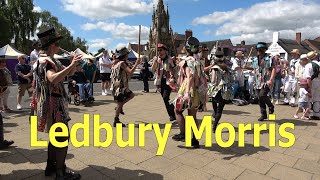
x: 37, y: 9
x: 217, y: 17
x: 102, y: 9
x: 258, y: 22
x: 99, y: 43
x: 119, y: 31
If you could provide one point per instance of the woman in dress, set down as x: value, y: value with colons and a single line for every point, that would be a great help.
x: 192, y: 88
x: 50, y: 102
x: 120, y: 74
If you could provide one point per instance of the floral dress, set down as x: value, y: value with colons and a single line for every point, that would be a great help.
x: 119, y: 83
x: 50, y: 100
x: 197, y: 86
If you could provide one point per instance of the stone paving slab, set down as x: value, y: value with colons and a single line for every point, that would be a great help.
x: 301, y: 161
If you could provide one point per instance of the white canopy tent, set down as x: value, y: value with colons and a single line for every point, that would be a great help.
x: 8, y: 52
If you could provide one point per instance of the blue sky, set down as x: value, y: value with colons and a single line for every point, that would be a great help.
x: 113, y: 23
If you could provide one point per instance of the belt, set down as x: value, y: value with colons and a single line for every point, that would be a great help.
x: 56, y: 95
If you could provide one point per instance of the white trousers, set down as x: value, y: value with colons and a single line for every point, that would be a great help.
x: 290, y: 88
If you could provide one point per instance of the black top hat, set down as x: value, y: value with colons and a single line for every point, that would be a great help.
x: 122, y: 52
x: 48, y: 36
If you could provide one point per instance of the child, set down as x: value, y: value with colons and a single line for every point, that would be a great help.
x: 303, y: 103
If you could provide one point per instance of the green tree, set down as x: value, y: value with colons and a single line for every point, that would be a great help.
x: 99, y: 51
x: 5, y: 31
x: 23, y: 21
x: 68, y: 42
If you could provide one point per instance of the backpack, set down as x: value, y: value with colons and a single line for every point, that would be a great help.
x: 315, y: 68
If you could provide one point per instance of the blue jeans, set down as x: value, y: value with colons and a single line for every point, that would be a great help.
x: 277, y: 88
x: 85, y: 87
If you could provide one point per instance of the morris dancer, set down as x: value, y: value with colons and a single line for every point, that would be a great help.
x: 192, y: 88
x: 51, y: 100
x: 120, y: 82
x: 163, y: 67
x: 265, y: 73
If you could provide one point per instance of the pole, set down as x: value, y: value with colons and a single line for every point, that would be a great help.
x: 139, y: 50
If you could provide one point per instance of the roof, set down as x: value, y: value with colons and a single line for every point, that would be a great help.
x: 221, y: 43
x: 315, y: 45
x: 317, y: 39
x: 179, y: 37
x: 289, y: 44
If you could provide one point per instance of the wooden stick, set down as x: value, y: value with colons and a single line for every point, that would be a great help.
x: 249, y: 55
x: 139, y: 50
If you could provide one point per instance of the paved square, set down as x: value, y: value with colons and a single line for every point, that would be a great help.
x: 301, y: 161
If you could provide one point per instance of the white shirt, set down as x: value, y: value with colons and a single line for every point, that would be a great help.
x: 292, y: 68
x: 308, y: 70
x: 303, y: 95
x: 299, y: 70
x: 34, y: 55
x: 236, y: 63
x: 104, y: 69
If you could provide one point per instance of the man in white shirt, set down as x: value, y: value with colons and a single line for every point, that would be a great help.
x: 237, y: 64
x: 34, y: 55
x: 105, y: 72
x: 311, y: 73
x: 291, y: 83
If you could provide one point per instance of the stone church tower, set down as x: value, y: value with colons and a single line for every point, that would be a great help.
x: 160, y: 31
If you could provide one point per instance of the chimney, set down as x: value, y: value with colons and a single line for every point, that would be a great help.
x: 188, y: 33
x: 275, y: 37
x: 298, y: 37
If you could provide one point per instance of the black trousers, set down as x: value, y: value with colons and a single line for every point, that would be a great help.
x: 165, y: 93
x: 265, y: 101
x: 145, y: 81
x: 1, y: 129
x: 218, y: 104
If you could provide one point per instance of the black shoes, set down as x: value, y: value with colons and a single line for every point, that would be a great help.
x: 262, y: 118
x: 5, y: 144
x: 116, y: 121
x: 179, y: 137
x: 50, y: 169
x: 63, y: 174
x: 271, y: 110
x: 195, y: 143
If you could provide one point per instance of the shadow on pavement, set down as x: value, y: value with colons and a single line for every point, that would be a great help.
x: 233, y: 112
x: 297, y: 122
x: 6, y: 124
x: 27, y: 155
x: 90, y: 172
x: 161, y: 125
x: 248, y: 131
x: 234, y: 150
